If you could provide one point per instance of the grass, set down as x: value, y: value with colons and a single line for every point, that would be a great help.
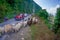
x: 33, y: 31
x: 40, y: 31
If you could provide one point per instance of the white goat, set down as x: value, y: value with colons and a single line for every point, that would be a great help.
x: 34, y: 20
x: 2, y: 30
x: 17, y: 26
x: 25, y: 23
x: 8, y: 28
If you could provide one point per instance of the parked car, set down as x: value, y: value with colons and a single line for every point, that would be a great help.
x: 19, y: 17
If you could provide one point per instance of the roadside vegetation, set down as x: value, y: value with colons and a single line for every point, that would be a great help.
x: 43, y: 14
x: 10, y: 8
x: 51, y: 28
x: 40, y: 31
x: 56, y: 27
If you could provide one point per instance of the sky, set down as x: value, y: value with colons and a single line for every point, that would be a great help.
x: 50, y: 5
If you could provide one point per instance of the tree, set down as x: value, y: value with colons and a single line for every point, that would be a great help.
x: 43, y: 13
x: 9, y: 8
x: 57, y: 21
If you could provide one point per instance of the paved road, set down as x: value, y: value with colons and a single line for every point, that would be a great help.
x: 12, y: 21
x: 23, y: 34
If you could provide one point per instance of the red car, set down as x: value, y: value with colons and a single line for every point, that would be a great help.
x: 19, y: 17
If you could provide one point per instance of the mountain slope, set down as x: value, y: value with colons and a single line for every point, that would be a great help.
x: 41, y: 32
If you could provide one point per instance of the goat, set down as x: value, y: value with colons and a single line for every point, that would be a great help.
x: 7, y: 28
x: 29, y: 21
x: 34, y: 20
x: 1, y: 30
x: 25, y: 23
x: 17, y: 27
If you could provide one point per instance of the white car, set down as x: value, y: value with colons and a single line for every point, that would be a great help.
x: 25, y: 14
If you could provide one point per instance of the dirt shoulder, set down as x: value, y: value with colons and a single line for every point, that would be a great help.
x: 41, y: 32
x: 23, y: 34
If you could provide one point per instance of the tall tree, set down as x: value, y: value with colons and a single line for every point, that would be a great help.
x: 43, y: 13
x: 57, y: 21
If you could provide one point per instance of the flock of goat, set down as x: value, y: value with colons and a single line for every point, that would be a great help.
x: 15, y: 28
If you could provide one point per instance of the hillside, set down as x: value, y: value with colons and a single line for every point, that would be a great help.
x: 10, y: 8
x: 40, y: 31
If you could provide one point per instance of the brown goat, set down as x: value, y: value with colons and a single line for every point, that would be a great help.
x: 29, y: 22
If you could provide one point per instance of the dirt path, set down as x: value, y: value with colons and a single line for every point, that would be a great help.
x: 41, y: 31
x: 23, y: 34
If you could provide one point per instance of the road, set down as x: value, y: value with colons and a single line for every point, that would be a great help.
x: 23, y: 34
x: 13, y: 21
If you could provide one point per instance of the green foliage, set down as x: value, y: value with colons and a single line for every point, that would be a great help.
x: 9, y: 8
x: 57, y: 21
x: 43, y: 14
